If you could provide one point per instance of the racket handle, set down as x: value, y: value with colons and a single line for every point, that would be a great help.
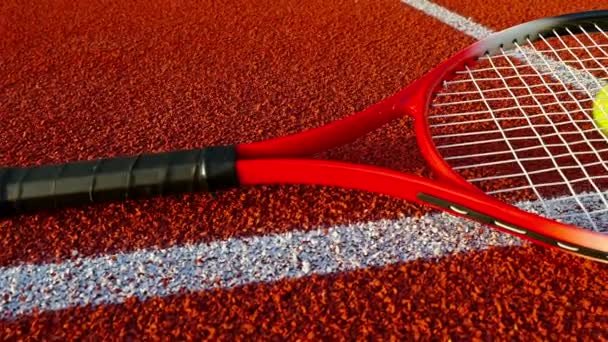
x: 147, y: 175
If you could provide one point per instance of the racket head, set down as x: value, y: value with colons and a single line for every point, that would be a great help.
x: 525, y: 76
x: 454, y: 193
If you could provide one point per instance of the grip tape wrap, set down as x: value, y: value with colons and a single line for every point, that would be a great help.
x: 146, y: 175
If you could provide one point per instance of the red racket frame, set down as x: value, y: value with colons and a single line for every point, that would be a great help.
x: 264, y: 162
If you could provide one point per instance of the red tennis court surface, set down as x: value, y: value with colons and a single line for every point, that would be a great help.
x: 84, y: 80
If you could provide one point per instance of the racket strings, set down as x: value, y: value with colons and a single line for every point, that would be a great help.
x: 599, y: 68
x: 519, y: 125
x: 506, y: 98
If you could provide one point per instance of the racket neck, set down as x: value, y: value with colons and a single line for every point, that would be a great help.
x: 334, y: 134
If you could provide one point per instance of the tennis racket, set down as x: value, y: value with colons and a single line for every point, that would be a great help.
x: 506, y: 125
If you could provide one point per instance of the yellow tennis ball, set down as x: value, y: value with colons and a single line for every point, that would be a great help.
x: 600, y: 109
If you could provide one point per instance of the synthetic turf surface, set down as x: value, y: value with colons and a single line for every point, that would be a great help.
x: 82, y: 80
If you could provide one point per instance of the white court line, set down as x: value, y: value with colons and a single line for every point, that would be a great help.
x: 111, y: 279
x: 454, y: 20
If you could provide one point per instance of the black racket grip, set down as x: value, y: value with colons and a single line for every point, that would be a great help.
x: 147, y: 175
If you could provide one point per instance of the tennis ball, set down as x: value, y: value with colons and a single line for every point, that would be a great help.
x: 600, y: 110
